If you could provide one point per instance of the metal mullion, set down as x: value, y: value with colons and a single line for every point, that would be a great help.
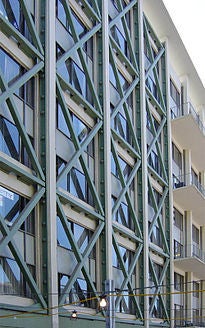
x: 21, y: 263
x: 124, y: 192
x: 67, y: 117
x: 31, y: 26
x: 150, y: 95
x: 79, y: 152
x: 127, y: 275
x: 91, y: 183
x: 156, y: 281
x: 122, y: 12
x: 20, y: 81
x: 156, y: 133
x: 126, y: 145
x: 80, y: 99
x: 125, y: 59
x: 122, y: 180
x: 90, y: 82
x: 129, y: 233
x: 21, y: 218
x: 154, y: 62
x: 24, y: 44
x: 153, y: 65
x: 26, y: 273
x: 133, y: 214
x: 159, y: 251
x: 159, y: 89
x: 79, y: 205
x: 23, y: 174
x: 158, y: 287
x: 163, y: 235
x: 156, y: 142
x: 81, y: 258
x: 21, y: 128
x: 124, y: 96
x: 79, y: 50
x: 157, y: 208
x: 127, y: 280
x: 161, y: 161
x: 157, y: 176
x: 124, y: 22
x: 147, y: 25
x: 97, y: 17
x: 78, y: 44
x: 80, y: 149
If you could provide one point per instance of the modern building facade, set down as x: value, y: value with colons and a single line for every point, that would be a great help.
x: 101, y: 167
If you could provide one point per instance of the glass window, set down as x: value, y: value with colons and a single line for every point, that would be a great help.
x: 12, y: 71
x: 178, y: 250
x: 151, y: 84
x: 10, y: 68
x: 195, y: 234
x: 154, y: 162
x: 156, y: 236
x: 177, y: 156
x: 61, y: 123
x: 122, y: 215
x: 125, y: 167
x: 196, y: 289
x: 11, y: 206
x: 62, y: 238
x: 178, y: 219
x: 122, y: 127
x: 120, y: 39
x: 60, y: 164
x: 80, y: 29
x: 78, y: 186
x: 179, y: 315
x: 178, y: 282
x: 10, y: 142
x: 9, y: 139
x: 175, y: 94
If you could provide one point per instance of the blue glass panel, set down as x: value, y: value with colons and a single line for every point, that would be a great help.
x: 81, y: 236
x: 61, y: 235
x: 9, y: 139
x: 10, y: 69
x: 62, y: 126
x: 80, y: 128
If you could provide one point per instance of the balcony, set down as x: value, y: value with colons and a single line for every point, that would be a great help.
x: 190, y: 258
x: 189, y: 194
x: 189, y: 131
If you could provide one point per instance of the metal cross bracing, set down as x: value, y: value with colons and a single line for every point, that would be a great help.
x: 125, y: 113
x: 19, y: 37
x: 76, y: 55
x: 81, y: 23
x: 157, y: 161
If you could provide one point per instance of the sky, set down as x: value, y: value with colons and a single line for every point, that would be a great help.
x: 188, y: 17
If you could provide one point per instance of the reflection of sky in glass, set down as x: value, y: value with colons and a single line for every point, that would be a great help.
x: 9, y: 202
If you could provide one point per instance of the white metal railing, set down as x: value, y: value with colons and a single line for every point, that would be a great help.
x: 190, y: 250
x: 185, y: 180
x: 187, y: 109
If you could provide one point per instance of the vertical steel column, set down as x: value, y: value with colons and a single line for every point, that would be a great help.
x: 107, y: 167
x: 167, y: 73
x: 107, y: 139
x: 144, y: 158
x: 50, y: 81
x: 110, y: 313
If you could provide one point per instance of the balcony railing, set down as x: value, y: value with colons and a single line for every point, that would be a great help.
x: 185, y: 180
x: 187, y: 109
x: 192, y: 250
